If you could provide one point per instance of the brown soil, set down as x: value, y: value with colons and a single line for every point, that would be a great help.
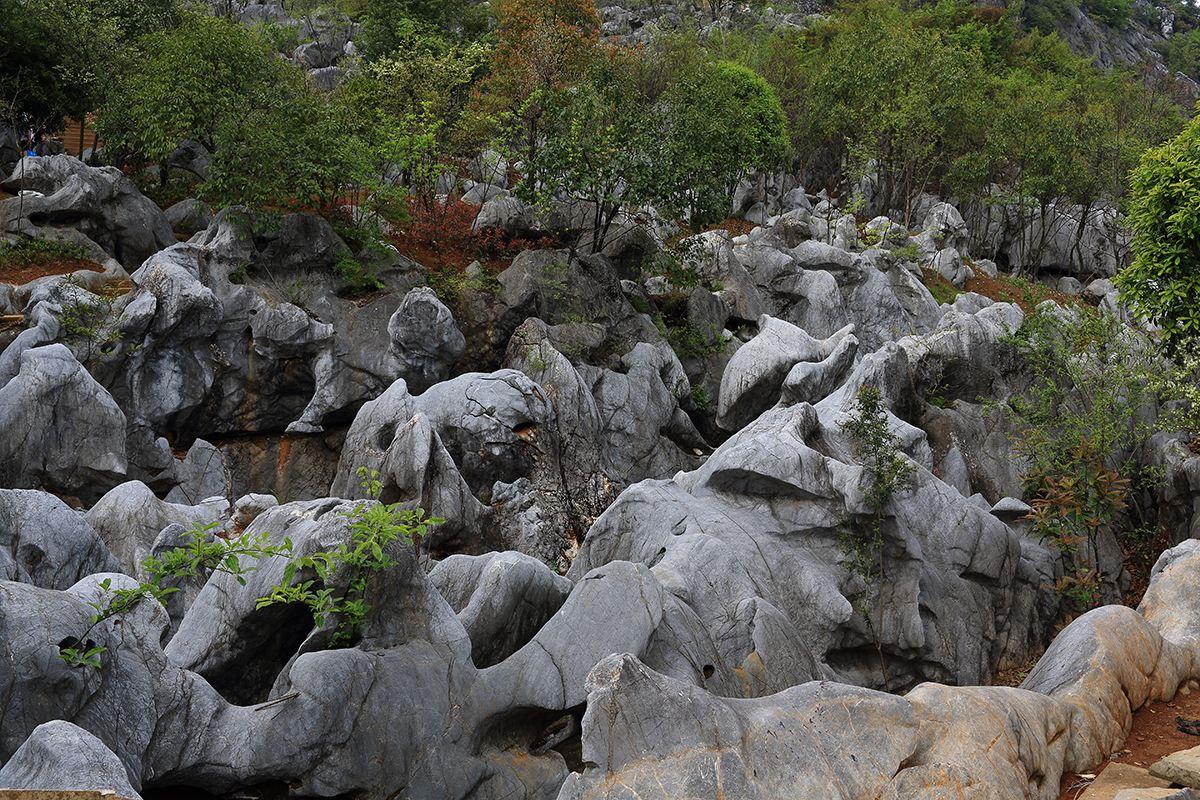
x: 16, y: 273
x: 1003, y: 290
x: 1154, y: 735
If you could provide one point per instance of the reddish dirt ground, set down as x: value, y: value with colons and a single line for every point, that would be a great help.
x: 1001, y: 289
x: 1154, y: 735
x: 17, y: 273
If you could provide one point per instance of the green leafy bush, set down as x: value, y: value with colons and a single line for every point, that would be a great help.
x: 1077, y: 424
x: 374, y: 528
x: 1114, y: 13
x: 886, y: 471
x: 40, y: 252
x: 202, y: 555
x: 722, y: 121
x: 1162, y: 285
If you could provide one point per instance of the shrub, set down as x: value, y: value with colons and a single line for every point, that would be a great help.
x: 394, y: 26
x: 291, y: 153
x: 40, y: 252
x: 1077, y: 424
x: 721, y: 122
x: 886, y: 470
x: 1046, y: 15
x: 1162, y: 285
x: 374, y: 527
x: 203, y: 554
x: 1114, y: 13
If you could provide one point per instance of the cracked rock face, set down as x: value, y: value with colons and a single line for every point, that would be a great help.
x: 644, y: 584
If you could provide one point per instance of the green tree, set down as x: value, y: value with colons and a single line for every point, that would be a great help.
x: 292, y: 152
x: 542, y: 46
x: 188, y: 82
x: 408, y: 110
x: 599, y: 145
x: 719, y: 121
x: 909, y: 112
x: 390, y: 27
x: 204, y: 554
x: 1162, y: 285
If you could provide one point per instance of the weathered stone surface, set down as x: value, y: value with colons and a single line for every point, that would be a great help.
x: 1182, y: 768
x: 45, y: 543
x: 62, y: 429
x: 98, y: 201
x: 61, y: 757
x: 130, y: 517
x: 201, y: 474
x: 189, y: 216
x: 502, y: 600
x: 426, y: 341
x: 1116, y: 778
x: 756, y: 372
x: 816, y: 740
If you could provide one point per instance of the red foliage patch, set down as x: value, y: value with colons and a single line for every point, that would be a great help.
x: 441, y: 239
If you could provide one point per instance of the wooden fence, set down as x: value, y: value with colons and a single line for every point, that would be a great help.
x: 78, y: 136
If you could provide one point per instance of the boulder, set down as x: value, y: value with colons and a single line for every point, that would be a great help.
x: 504, y: 213
x: 61, y: 757
x: 63, y: 429
x: 189, y: 216
x: 756, y: 372
x: 47, y: 544
x: 202, y: 474
x: 98, y: 201
x: 130, y: 517
x: 425, y: 339
x: 502, y: 600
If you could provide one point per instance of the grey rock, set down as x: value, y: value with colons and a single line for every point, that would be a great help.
x: 756, y: 372
x: 425, y: 339
x: 1099, y: 289
x: 189, y: 216
x: 45, y: 543
x: 389, y: 436
x: 820, y: 256
x: 63, y: 430
x: 504, y: 213
x: 327, y: 79
x: 713, y: 256
x: 985, y: 266
x: 130, y: 517
x: 61, y: 757
x: 643, y: 429
x: 719, y: 520
x: 98, y: 201
x: 502, y: 600
x: 785, y: 746
x: 1069, y: 285
x: 949, y: 264
x: 944, y: 227
x: 202, y: 474
x: 488, y: 423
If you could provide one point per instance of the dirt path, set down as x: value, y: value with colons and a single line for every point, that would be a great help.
x: 1154, y: 735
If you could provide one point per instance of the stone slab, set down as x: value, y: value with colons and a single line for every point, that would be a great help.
x: 1118, y: 777
x: 1182, y: 768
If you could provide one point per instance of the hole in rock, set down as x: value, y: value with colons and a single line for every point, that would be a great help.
x: 526, y: 431
x: 385, y: 435
x: 537, y: 733
x: 266, y: 639
x: 274, y: 790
